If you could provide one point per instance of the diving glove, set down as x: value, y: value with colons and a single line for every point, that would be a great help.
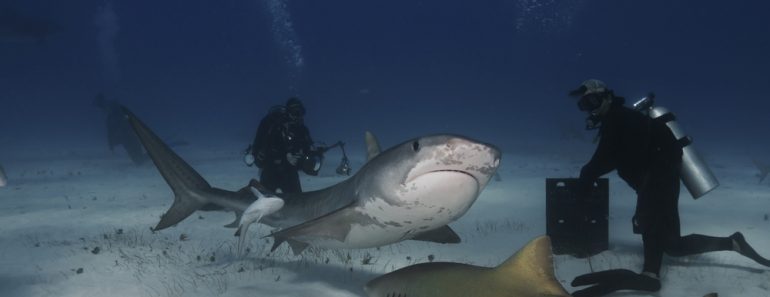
x: 608, y: 281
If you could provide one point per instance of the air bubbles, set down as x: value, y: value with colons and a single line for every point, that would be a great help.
x: 545, y: 15
x: 286, y: 37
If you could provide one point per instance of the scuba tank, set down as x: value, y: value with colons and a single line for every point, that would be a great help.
x: 696, y: 175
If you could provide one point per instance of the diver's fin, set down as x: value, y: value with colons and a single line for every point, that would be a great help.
x: 372, y: 146
x: 534, y: 264
x: 441, y: 235
x: 188, y: 186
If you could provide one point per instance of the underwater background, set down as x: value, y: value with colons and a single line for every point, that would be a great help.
x: 205, y: 72
x: 498, y: 70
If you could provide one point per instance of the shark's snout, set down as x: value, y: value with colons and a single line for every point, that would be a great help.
x: 477, y: 159
x: 450, y: 155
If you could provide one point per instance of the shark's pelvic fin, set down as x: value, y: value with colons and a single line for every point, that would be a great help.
x: 372, y: 146
x: 441, y: 235
x: 534, y: 264
x: 335, y: 225
x: 184, y: 181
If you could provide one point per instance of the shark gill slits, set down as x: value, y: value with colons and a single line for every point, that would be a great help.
x: 416, y: 146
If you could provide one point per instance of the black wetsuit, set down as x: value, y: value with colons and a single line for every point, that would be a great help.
x: 647, y: 156
x: 277, y: 136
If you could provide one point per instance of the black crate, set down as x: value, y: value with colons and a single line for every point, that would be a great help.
x: 578, y: 229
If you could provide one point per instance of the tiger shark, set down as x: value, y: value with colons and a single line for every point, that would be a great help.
x: 408, y: 192
x: 528, y: 273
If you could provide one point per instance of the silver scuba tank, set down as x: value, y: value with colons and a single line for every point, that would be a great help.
x: 696, y: 175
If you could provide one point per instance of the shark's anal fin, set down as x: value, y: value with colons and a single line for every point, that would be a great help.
x: 372, y: 146
x: 534, y: 264
x: 297, y: 246
x: 440, y: 235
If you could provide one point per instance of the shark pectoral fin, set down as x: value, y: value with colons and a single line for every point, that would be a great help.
x: 441, y: 235
x: 372, y: 146
x: 533, y: 264
x: 335, y: 225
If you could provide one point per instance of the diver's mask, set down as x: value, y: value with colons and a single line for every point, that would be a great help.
x: 296, y: 113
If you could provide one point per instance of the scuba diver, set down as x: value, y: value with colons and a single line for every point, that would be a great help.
x: 648, y: 157
x: 283, y: 146
x: 118, y: 130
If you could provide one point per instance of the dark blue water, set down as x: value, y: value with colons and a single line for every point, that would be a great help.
x: 496, y: 70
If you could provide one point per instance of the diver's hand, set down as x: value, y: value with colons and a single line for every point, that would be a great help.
x: 608, y: 281
x: 293, y: 158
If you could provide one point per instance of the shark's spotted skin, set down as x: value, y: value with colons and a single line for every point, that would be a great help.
x: 528, y: 273
x: 410, y: 191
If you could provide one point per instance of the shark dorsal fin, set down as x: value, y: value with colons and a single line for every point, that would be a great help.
x: 534, y: 264
x: 372, y: 146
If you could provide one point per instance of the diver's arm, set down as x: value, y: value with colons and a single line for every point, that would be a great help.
x: 603, y: 161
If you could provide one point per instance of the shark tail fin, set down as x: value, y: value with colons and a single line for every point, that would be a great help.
x: 372, y: 146
x: 534, y: 263
x: 188, y: 186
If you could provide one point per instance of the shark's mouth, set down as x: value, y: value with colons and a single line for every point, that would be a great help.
x: 466, y: 173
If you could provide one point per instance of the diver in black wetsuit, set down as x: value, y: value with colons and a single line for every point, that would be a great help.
x: 648, y: 157
x: 118, y: 130
x: 283, y: 146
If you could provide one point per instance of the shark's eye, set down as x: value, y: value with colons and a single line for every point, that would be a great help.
x: 416, y: 146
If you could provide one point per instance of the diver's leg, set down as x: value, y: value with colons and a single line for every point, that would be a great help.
x: 697, y: 244
x: 694, y: 244
x: 654, y: 244
x: 269, y: 178
x: 291, y: 181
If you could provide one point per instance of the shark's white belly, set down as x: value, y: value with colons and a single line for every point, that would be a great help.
x: 429, y: 202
